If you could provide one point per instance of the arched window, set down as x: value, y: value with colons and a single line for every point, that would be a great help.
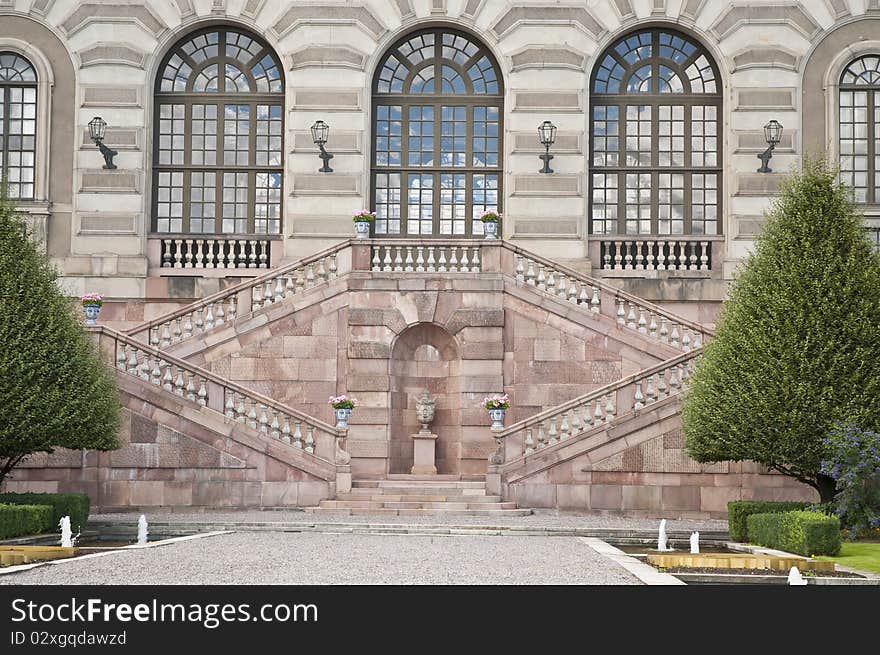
x: 437, y: 121
x: 656, y: 146
x: 217, y: 140
x: 860, y: 128
x: 18, y: 125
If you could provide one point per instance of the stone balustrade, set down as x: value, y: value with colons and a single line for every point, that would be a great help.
x: 237, y: 403
x: 595, y: 409
x: 597, y: 296
x: 249, y: 296
x: 232, y: 252
x: 435, y: 256
x: 655, y: 253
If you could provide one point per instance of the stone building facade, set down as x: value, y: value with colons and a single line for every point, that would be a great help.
x: 433, y: 108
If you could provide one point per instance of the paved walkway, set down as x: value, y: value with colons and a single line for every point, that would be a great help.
x: 320, y: 558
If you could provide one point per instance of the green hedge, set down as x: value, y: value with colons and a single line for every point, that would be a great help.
x: 76, y: 506
x: 802, y: 532
x: 21, y: 520
x: 739, y: 510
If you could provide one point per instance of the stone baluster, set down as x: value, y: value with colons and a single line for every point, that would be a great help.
x: 178, y: 253
x: 552, y: 434
x: 541, y: 280
x: 573, y: 289
x: 649, y: 257
x: 431, y: 263
x: 264, y: 254
x: 187, y: 326
x: 650, y: 390
x: 673, y: 380
x: 320, y: 271
x: 575, y: 421
x: 661, y: 255
x: 530, y: 273
x: 609, y: 408
x: 132, y: 360
x: 408, y: 262
x: 156, y: 372
x: 621, y: 312
x: 541, y: 438
x: 200, y: 323
x: 640, y: 259
x: 398, y: 259
x: 529, y: 443
x: 598, y: 413
x: 177, y: 331
x: 264, y: 420
x: 643, y: 322
x: 309, y: 445
x: 464, y: 263
x: 686, y: 340
x: 682, y: 256
x: 274, y: 426
x: 564, y: 428
x: 662, y: 389
x: 631, y: 317
x: 673, y: 336
x: 618, y: 255
x: 652, y: 326
x: 692, y: 250
x: 420, y: 259
x: 453, y: 260
x: 297, y: 434
x: 639, y: 398
x: 664, y: 330
x: 476, y: 264
x: 242, y: 254
x: 278, y: 293
x: 145, y: 366
x: 179, y: 384
x: 627, y: 257
x: 209, y: 316
x: 332, y: 268
x: 551, y: 282
x: 704, y: 255
x: 190, y: 388
x: 441, y: 261
x: 519, y: 270
x: 241, y: 410
x: 121, y: 356
x: 229, y: 405
x: 285, y: 431
x: 252, y: 414
x: 376, y: 263
x: 595, y: 302
x: 252, y: 255
x: 268, y: 290
x: 387, y: 261
x: 167, y: 378
x: 166, y: 253
x: 606, y: 255
x: 166, y: 334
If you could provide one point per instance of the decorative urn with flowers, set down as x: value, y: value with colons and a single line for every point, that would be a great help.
x: 362, y: 222
x: 91, y: 303
x: 491, y: 219
x: 497, y: 406
x: 342, y: 406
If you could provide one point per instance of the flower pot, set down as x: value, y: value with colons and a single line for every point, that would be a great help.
x: 91, y: 312
x: 342, y: 414
x: 490, y: 230
x: 363, y: 229
x: 497, y: 416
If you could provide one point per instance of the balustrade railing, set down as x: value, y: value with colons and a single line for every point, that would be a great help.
x: 215, y: 252
x: 249, y: 296
x: 598, y: 296
x: 236, y: 402
x: 595, y: 409
x: 656, y: 254
x: 402, y: 256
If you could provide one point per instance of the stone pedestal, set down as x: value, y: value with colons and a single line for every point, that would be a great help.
x: 424, y: 446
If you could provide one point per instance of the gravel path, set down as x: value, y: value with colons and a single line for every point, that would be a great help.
x: 306, y: 558
x: 542, y: 519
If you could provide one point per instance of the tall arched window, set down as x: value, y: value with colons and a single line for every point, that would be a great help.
x: 218, y: 131
x: 18, y: 125
x: 860, y: 128
x: 656, y: 146
x: 437, y: 121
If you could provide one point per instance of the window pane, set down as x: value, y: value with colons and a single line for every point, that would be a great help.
x: 419, y: 204
x: 638, y: 135
x: 453, y: 136
x: 604, y: 203
x: 484, y: 196
x: 18, y: 126
x: 389, y: 133
x: 387, y: 201
x: 421, y: 136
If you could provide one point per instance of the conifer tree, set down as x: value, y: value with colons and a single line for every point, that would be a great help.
x: 797, y: 346
x: 54, y: 390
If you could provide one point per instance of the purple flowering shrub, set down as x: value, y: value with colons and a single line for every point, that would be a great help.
x: 854, y: 464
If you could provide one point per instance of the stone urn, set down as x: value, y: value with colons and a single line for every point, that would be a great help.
x: 91, y: 312
x: 497, y: 417
x: 490, y: 230
x: 363, y: 229
x: 425, y: 406
x: 342, y: 416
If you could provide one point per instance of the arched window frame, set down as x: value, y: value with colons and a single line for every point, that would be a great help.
x: 652, y: 190
x: 452, y: 186
x: 193, y: 111
x: 44, y: 83
x: 858, y: 103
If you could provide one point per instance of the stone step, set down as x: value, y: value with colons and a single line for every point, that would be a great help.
x: 418, y: 491
x: 417, y: 512
x: 419, y: 498
x: 436, y: 477
x: 448, y: 505
x: 418, y: 484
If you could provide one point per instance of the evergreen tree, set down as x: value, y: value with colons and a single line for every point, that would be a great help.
x: 54, y: 390
x: 797, y: 347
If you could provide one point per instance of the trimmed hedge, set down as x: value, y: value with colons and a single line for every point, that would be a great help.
x: 21, y: 520
x: 739, y: 510
x: 802, y: 532
x: 76, y: 506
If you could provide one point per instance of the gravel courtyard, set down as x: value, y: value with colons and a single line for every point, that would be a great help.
x: 320, y: 558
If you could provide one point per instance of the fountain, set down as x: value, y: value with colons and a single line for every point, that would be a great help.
x: 142, y: 530
x: 661, y: 538
x: 695, y: 543
x: 66, y: 534
x: 795, y: 578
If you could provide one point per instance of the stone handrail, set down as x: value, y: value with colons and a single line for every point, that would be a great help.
x: 598, y: 407
x: 210, y: 390
x: 598, y: 296
x: 248, y: 296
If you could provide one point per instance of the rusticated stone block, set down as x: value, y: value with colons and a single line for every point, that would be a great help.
x: 681, y: 498
x: 462, y: 318
x: 143, y: 430
x: 367, y: 383
x: 369, y: 350
x: 390, y: 318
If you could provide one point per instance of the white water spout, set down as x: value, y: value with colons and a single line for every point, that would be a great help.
x: 66, y: 534
x: 661, y: 537
x: 695, y: 543
x: 142, y: 530
x: 795, y: 577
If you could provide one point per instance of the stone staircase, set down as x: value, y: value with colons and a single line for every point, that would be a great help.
x: 419, y: 495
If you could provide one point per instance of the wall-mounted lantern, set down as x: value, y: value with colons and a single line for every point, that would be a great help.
x: 97, y: 129
x: 320, y: 132
x: 772, y: 134
x: 547, y: 134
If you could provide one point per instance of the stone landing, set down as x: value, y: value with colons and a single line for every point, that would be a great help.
x: 419, y: 495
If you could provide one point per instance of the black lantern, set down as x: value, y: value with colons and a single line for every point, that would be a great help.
x: 97, y: 130
x: 772, y: 134
x: 320, y: 132
x: 547, y: 134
